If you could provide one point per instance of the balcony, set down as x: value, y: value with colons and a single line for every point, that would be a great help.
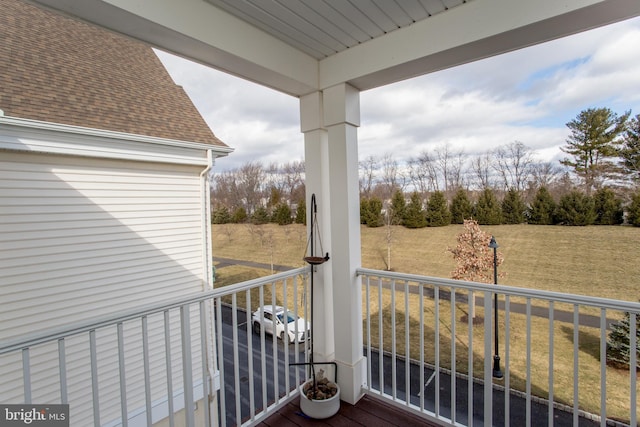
x: 124, y: 367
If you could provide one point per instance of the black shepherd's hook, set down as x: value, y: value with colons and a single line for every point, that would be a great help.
x: 313, y: 260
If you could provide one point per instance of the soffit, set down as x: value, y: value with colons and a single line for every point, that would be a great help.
x: 301, y: 46
x: 322, y: 28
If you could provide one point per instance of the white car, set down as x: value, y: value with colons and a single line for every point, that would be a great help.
x: 285, y: 323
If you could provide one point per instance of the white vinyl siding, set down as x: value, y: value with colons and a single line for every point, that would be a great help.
x: 81, y: 238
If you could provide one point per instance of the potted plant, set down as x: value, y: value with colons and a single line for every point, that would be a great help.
x: 319, y: 397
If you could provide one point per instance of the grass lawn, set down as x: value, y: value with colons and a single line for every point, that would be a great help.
x: 598, y: 261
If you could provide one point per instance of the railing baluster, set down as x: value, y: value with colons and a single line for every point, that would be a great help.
x: 252, y: 408
x: 124, y: 413
x: 507, y: 359
x: 488, y: 379
x: 236, y: 355
x: 285, y: 341
x: 187, y: 374
x: 147, y: 374
x: 380, y: 338
x: 394, y: 380
x: 470, y: 364
x: 296, y: 344
x: 263, y: 352
x: 26, y: 375
x: 222, y: 411
x: 168, y: 366
x: 368, y: 331
x: 407, y: 354
x: 551, y: 329
x: 436, y: 300
x: 633, y: 363
x: 421, y: 320
x: 576, y: 358
x: 94, y: 377
x: 603, y: 367
x: 62, y: 366
x: 454, y: 392
x: 528, y: 375
x: 204, y: 345
x: 274, y: 347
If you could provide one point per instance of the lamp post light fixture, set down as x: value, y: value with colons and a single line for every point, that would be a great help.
x: 497, y: 372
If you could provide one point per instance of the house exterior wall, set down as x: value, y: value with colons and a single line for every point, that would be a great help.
x: 86, y: 238
x: 82, y: 237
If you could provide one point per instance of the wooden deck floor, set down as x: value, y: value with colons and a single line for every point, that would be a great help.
x: 369, y: 412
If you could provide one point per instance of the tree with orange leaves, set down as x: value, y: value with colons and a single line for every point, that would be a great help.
x: 473, y: 256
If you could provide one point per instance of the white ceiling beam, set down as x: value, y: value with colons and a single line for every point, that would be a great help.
x: 201, y: 32
x: 479, y: 29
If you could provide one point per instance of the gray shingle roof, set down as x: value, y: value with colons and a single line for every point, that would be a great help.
x: 56, y: 69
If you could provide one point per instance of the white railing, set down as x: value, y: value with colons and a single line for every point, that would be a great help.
x: 427, y: 353
x: 140, y: 367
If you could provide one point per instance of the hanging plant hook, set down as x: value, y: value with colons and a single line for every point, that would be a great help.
x: 312, y: 258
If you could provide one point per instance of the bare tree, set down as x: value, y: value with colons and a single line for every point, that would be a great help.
x: 392, y: 178
x: 224, y: 190
x: 544, y: 174
x: 481, y: 170
x: 293, y: 178
x: 513, y: 164
x: 368, y: 169
x: 449, y: 163
x: 423, y: 173
x: 250, y: 181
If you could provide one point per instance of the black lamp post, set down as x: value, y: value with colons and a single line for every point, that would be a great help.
x: 497, y: 373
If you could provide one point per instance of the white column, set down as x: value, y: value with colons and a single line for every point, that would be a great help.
x: 317, y: 182
x: 341, y: 106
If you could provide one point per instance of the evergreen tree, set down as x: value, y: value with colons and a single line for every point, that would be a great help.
x: 487, y: 209
x: 282, y: 214
x: 260, y: 216
x: 576, y: 208
x: 373, y: 215
x: 633, y: 217
x: 461, y: 207
x: 414, y: 214
x: 543, y: 208
x: 397, y: 208
x: 301, y: 212
x: 618, y: 343
x: 608, y: 207
x: 513, y: 207
x: 437, y: 213
x: 239, y: 216
x: 593, y: 143
x: 220, y: 215
x: 364, y: 210
x: 630, y: 151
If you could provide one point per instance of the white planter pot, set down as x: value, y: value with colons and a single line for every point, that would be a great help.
x: 319, y: 409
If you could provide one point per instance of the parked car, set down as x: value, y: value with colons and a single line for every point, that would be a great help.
x: 285, y: 323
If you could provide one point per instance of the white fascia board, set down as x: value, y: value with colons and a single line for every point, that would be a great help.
x: 44, y: 137
x: 199, y: 31
x: 479, y: 29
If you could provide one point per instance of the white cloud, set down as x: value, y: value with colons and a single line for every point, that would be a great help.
x: 527, y: 95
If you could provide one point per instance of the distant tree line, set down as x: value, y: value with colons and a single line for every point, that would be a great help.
x: 598, y: 182
x: 257, y: 194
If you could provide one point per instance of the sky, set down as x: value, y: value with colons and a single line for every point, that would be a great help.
x: 528, y: 96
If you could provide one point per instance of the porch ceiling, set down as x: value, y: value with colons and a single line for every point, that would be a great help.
x: 301, y: 46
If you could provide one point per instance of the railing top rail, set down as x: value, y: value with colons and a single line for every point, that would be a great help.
x: 629, y: 306
x: 51, y: 334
